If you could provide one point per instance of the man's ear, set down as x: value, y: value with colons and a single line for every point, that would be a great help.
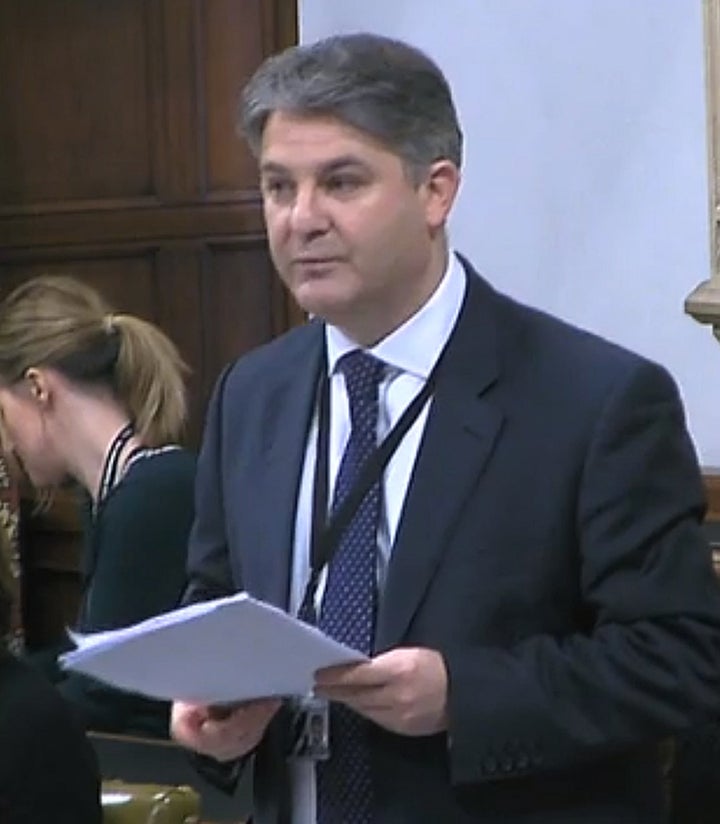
x: 38, y: 385
x: 440, y: 188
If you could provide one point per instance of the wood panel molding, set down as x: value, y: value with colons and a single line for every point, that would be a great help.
x: 113, y: 224
x: 711, y: 478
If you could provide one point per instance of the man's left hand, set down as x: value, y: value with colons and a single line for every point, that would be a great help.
x: 404, y: 690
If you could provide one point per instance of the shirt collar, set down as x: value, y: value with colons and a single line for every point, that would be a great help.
x: 415, y: 346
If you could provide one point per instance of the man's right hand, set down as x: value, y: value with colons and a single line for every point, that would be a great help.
x: 224, y: 733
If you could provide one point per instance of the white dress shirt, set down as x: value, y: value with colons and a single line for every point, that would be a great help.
x: 410, y: 353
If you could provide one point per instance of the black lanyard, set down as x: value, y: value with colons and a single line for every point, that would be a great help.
x: 111, y: 470
x: 326, y: 533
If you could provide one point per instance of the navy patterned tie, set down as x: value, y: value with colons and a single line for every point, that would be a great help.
x: 344, y: 787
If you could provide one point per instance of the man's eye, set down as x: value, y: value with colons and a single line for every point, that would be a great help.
x: 277, y: 188
x: 342, y: 183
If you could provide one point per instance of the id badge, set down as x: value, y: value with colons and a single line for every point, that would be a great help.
x: 310, y: 729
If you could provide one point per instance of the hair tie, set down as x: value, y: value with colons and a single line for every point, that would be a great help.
x: 109, y: 323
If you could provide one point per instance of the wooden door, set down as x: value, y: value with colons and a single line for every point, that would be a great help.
x: 119, y: 163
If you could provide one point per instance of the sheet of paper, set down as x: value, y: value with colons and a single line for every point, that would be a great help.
x: 230, y: 649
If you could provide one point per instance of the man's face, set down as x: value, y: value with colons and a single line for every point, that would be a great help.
x: 350, y: 234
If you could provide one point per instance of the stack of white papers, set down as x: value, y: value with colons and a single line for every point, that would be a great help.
x: 230, y: 649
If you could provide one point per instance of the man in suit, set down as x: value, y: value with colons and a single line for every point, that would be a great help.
x: 542, y: 609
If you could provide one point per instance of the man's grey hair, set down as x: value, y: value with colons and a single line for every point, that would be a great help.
x: 385, y: 88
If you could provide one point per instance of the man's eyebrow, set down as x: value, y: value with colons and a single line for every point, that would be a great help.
x: 334, y: 165
x: 343, y: 162
x: 269, y: 167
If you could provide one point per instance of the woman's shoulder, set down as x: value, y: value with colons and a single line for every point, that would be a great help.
x: 157, y: 459
x: 158, y: 486
x: 160, y: 465
x: 164, y: 475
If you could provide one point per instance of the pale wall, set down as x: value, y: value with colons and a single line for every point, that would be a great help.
x: 585, y: 184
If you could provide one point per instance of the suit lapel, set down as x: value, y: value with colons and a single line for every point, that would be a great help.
x: 275, y: 478
x: 462, y: 427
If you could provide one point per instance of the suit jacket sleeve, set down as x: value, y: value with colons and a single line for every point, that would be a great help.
x: 649, y: 661
x: 209, y: 569
x: 209, y: 572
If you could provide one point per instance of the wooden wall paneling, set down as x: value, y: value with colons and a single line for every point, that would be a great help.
x: 280, y: 29
x: 177, y: 115
x: 141, y: 98
x: 712, y: 490
x: 113, y: 223
x: 120, y: 163
x: 238, y: 293
x: 178, y: 282
x: 279, y: 24
x: 60, y: 63
x: 223, y: 68
x: 51, y: 579
x: 124, y: 275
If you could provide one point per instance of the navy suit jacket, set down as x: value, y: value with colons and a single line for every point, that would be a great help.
x: 549, y: 547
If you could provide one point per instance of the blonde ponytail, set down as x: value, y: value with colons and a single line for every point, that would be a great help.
x: 64, y: 323
x: 149, y: 380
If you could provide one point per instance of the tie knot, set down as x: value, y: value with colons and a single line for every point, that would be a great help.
x: 363, y: 374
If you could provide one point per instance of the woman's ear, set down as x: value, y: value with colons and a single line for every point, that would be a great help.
x: 37, y: 384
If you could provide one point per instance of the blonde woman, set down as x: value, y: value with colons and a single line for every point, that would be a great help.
x: 99, y: 397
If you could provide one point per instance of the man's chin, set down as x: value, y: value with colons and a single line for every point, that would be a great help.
x: 325, y: 303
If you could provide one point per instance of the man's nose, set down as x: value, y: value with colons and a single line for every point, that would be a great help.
x: 308, y: 215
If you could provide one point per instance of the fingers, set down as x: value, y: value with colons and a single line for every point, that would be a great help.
x: 367, y: 701
x: 383, y: 670
x: 186, y: 720
x: 224, y: 733
x: 404, y: 690
x: 374, y: 673
x: 218, y: 712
